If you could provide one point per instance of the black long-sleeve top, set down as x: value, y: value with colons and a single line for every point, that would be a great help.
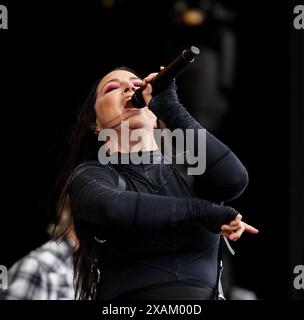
x: 158, y: 230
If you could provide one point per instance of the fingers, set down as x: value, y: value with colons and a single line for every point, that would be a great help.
x: 151, y: 76
x: 147, y: 94
x: 233, y: 233
x: 234, y: 225
x: 147, y: 90
x: 236, y: 221
x: 225, y: 233
x: 237, y: 234
x: 230, y: 229
x: 250, y: 229
x: 235, y: 229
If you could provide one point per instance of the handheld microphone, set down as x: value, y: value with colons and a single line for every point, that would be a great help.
x: 166, y: 75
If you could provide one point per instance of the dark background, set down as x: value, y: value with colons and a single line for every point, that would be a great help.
x: 53, y: 52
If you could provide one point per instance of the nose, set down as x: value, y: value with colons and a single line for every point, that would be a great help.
x: 129, y: 88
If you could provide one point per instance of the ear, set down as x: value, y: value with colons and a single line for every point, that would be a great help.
x: 96, y: 128
x: 96, y: 131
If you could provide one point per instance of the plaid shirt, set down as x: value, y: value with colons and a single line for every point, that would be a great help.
x: 46, y: 273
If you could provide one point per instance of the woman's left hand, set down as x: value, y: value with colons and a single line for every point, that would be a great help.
x: 236, y: 227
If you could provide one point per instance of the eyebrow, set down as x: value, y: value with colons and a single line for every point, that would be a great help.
x: 117, y: 80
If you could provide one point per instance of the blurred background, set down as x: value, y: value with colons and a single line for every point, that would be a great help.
x: 246, y: 87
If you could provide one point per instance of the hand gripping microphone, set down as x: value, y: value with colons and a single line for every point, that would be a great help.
x: 166, y: 75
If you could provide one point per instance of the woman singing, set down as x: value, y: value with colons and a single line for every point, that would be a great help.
x: 143, y: 232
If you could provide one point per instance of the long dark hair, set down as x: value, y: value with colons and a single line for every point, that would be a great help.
x: 82, y: 145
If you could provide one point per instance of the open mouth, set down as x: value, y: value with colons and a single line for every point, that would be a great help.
x: 129, y: 106
x: 128, y: 103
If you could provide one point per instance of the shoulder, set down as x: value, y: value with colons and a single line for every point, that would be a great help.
x: 32, y: 268
x: 42, y: 273
x: 93, y: 170
x: 92, y: 165
x: 46, y: 257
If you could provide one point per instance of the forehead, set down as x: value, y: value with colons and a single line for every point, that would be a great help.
x: 116, y: 74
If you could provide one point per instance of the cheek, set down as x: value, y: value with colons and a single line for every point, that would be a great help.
x: 106, y: 108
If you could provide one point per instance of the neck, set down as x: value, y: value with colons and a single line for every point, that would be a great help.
x: 136, y: 140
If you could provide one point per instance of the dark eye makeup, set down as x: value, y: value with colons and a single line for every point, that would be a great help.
x: 111, y: 87
x: 115, y: 85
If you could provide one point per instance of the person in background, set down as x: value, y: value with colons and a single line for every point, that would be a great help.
x: 46, y: 273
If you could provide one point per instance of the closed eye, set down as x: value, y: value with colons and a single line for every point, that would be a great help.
x: 111, y: 87
x: 137, y: 83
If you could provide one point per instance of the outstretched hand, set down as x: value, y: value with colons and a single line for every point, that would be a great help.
x: 236, y: 227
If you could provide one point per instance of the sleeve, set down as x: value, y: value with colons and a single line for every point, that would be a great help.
x: 225, y: 177
x: 95, y: 199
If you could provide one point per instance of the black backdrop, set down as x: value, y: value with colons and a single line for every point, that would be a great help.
x: 52, y: 53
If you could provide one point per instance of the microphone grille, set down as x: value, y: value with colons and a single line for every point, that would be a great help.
x: 190, y: 54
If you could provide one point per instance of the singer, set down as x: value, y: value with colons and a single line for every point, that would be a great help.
x: 143, y: 232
